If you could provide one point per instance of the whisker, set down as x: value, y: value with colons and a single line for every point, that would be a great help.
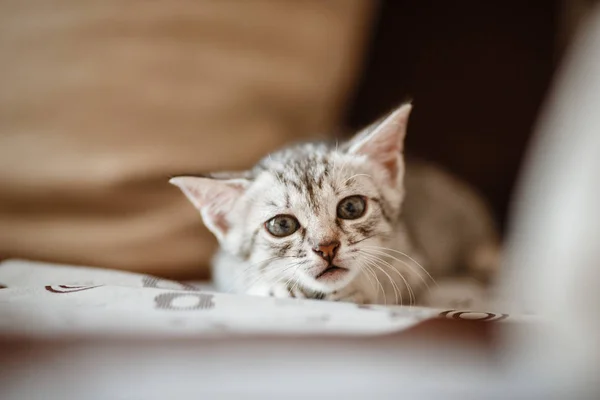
x: 394, y: 286
x: 364, y: 271
x: 370, y: 270
x: 270, y: 275
x: 380, y: 286
x: 295, y: 283
x: 383, y: 234
x: 410, y: 267
x: 243, y: 273
x: 356, y: 175
x: 411, y: 295
x: 297, y: 265
x: 375, y: 248
x: 337, y: 173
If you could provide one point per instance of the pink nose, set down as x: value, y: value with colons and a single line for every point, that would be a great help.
x: 327, y: 251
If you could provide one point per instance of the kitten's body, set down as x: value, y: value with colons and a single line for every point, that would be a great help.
x: 418, y: 223
x: 444, y: 226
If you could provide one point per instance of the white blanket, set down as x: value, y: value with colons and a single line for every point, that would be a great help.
x: 41, y: 300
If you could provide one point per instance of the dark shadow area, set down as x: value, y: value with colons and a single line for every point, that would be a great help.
x: 477, y: 73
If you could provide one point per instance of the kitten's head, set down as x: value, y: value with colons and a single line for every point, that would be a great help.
x: 304, y: 214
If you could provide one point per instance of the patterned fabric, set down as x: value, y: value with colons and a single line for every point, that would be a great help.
x: 44, y: 300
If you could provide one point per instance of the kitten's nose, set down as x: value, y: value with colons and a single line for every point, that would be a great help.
x: 327, y: 251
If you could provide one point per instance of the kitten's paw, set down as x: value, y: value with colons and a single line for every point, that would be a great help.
x: 349, y: 295
x: 280, y: 291
x: 297, y: 292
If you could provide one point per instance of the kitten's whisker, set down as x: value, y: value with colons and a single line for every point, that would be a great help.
x: 241, y: 276
x: 370, y: 270
x: 403, y: 254
x: 270, y: 275
x: 296, y: 282
x: 411, y: 295
x: 276, y: 174
x: 276, y: 272
x: 244, y: 273
x: 394, y: 286
x: 363, y: 271
x: 410, y: 267
x: 378, y: 260
x: 258, y: 263
x: 267, y: 278
x: 356, y: 175
x: 337, y: 173
x: 296, y: 265
x: 292, y: 276
x: 381, y: 250
x: 369, y: 237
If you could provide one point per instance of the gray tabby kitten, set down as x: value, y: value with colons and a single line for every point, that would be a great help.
x: 349, y: 222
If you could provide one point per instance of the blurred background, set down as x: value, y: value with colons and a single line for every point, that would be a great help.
x: 102, y: 101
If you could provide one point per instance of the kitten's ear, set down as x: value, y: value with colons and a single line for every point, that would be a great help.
x: 213, y: 197
x: 384, y: 142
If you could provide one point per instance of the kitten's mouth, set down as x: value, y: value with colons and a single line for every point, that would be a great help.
x: 332, y: 272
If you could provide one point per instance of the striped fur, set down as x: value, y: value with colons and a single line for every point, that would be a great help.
x: 385, y: 261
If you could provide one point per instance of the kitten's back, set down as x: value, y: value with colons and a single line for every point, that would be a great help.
x: 449, y: 222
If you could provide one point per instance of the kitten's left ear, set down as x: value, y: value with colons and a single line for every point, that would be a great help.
x: 214, y: 198
x: 384, y: 143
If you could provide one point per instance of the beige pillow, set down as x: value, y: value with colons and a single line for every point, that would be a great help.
x: 103, y: 101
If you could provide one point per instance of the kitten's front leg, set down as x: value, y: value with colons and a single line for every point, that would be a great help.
x: 279, y: 290
x: 344, y: 297
x: 353, y: 293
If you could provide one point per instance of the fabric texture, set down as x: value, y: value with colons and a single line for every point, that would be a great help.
x: 40, y: 300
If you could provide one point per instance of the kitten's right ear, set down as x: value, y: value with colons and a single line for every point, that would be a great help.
x: 214, y: 198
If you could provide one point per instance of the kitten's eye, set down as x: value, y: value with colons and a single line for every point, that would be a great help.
x: 282, y: 225
x: 352, y: 207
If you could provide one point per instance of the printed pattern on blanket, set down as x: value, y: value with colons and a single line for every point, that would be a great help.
x: 45, y: 300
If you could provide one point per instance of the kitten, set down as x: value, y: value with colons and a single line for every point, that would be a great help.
x: 352, y: 222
